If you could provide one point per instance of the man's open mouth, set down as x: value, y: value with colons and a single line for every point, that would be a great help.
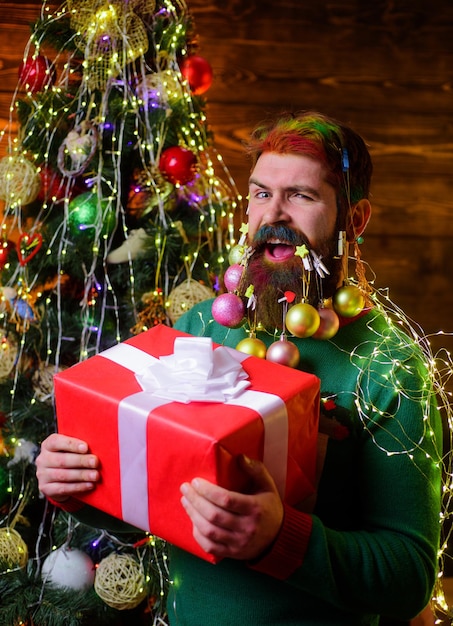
x: 278, y: 251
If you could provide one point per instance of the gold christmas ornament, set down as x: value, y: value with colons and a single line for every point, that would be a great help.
x: 348, y: 301
x: 302, y: 320
x: 252, y: 346
x: 185, y: 296
x: 149, y: 191
x: 120, y: 581
x: 329, y: 324
x: 13, y: 549
x: 236, y: 254
x: 19, y: 180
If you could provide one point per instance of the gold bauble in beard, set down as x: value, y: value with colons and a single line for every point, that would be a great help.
x: 348, y: 301
x: 236, y: 254
x: 252, y: 346
x: 302, y: 320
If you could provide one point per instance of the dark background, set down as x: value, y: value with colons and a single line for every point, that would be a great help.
x: 385, y: 67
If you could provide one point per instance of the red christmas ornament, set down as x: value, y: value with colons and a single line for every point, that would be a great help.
x: 51, y: 185
x: 198, y: 73
x: 35, y: 73
x: 178, y: 165
x: 5, y: 249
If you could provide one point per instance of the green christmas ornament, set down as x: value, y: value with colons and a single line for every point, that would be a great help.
x: 86, y: 214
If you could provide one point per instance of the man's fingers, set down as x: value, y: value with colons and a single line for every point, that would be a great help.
x: 73, y: 476
x: 62, y: 443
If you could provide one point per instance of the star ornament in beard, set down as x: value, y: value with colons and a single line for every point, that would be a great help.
x: 276, y: 265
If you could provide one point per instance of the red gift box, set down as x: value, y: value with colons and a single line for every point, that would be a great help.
x: 148, y: 446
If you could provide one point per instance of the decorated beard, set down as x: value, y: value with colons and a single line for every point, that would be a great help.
x: 276, y: 265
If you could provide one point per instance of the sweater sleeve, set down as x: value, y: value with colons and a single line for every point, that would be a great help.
x: 288, y: 551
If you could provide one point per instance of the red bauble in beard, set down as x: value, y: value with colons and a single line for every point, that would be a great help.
x: 273, y: 269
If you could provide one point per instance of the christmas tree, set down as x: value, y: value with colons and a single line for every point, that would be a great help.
x: 118, y: 215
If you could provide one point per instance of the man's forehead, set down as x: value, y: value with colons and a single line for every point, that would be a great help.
x: 288, y: 171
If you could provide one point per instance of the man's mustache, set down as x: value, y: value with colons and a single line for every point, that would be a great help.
x: 281, y: 232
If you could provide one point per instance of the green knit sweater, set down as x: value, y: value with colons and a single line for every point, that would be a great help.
x: 369, y: 547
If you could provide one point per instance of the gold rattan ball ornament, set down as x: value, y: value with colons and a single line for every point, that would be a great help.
x: 19, y: 180
x: 120, y: 581
x: 110, y: 34
x: 8, y: 354
x: 13, y: 549
x: 43, y: 382
x: 185, y: 296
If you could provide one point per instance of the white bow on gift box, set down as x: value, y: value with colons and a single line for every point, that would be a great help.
x: 195, y: 372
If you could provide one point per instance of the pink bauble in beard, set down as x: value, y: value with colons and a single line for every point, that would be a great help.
x: 228, y: 310
x: 232, y: 277
x: 283, y: 352
x: 329, y: 324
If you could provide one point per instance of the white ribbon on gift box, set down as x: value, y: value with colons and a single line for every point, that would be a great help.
x: 194, y: 372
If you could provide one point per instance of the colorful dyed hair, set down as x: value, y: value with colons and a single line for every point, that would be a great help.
x: 337, y: 146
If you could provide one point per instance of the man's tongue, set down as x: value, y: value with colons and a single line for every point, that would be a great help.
x: 279, y: 251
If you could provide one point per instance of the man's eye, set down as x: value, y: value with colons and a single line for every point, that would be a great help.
x: 262, y: 194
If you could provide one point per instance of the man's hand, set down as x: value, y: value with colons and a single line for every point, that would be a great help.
x: 231, y: 524
x: 65, y: 468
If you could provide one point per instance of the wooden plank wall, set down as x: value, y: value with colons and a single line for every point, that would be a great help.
x: 385, y: 67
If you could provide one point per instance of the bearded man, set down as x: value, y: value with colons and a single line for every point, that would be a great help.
x: 367, y: 545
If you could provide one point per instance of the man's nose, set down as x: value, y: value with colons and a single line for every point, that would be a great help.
x: 276, y: 211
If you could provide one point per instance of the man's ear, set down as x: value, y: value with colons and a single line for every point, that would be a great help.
x: 358, y: 219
